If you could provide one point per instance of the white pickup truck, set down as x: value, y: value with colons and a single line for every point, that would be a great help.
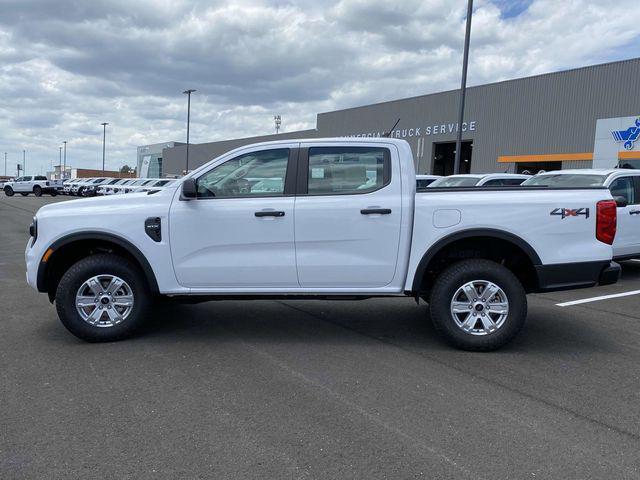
x: 37, y: 185
x: 321, y: 218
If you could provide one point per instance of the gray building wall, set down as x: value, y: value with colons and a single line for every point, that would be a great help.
x: 544, y: 114
x: 174, y: 159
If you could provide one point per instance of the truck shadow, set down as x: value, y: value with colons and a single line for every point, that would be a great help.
x: 398, y: 322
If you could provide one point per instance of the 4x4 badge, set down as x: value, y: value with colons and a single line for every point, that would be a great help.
x: 570, y: 212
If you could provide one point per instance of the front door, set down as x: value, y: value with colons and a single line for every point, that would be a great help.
x: 348, y: 214
x: 627, y: 240
x: 23, y: 184
x: 238, y: 232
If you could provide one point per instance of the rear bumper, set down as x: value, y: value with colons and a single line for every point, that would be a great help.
x: 567, y: 276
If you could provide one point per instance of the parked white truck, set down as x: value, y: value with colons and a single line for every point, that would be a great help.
x: 37, y: 185
x: 321, y: 218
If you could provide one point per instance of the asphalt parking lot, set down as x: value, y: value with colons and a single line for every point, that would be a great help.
x: 314, y: 389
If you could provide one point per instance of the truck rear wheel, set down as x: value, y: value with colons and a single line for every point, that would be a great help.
x: 37, y: 191
x: 8, y: 191
x: 478, y: 305
x: 102, y: 298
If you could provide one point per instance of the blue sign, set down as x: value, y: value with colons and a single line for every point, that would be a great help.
x: 628, y: 136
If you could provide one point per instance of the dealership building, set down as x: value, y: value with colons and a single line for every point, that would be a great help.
x: 586, y: 117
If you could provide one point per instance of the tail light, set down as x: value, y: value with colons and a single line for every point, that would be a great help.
x: 606, y: 219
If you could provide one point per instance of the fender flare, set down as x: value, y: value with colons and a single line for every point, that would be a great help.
x: 476, y: 232
x: 108, y: 237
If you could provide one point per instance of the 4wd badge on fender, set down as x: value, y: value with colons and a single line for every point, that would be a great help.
x: 570, y: 212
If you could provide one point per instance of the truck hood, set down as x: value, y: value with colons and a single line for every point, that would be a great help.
x: 108, y: 204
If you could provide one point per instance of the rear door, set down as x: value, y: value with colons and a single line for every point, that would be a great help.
x: 627, y: 240
x: 347, y: 216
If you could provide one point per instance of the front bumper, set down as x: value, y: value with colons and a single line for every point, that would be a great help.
x: 567, y: 276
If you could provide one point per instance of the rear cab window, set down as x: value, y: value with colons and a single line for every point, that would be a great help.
x: 347, y: 170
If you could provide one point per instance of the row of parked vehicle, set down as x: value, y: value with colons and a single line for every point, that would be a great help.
x: 91, y: 187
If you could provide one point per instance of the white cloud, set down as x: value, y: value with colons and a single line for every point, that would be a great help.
x: 67, y: 66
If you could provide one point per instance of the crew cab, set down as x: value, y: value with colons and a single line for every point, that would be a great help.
x: 320, y: 218
x: 481, y: 179
x: 624, y: 185
x: 37, y: 185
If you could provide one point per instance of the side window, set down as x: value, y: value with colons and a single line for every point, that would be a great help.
x: 513, y: 182
x: 19, y: 179
x: 27, y: 179
x: 493, y: 183
x: 624, y: 187
x: 40, y: 177
x: 347, y: 170
x: 255, y: 174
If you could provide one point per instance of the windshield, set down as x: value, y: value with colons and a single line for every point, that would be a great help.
x: 565, y: 180
x: 455, y: 182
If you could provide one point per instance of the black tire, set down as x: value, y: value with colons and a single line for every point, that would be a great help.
x: 83, y: 270
x: 37, y: 191
x: 459, y: 274
x: 53, y: 193
x: 24, y: 194
x: 80, y: 190
x: 8, y: 191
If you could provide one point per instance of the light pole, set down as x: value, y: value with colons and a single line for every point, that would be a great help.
x: 24, y: 161
x: 64, y: 167
x: 104, y: 135
x: 60, y: 160
x: 463, y: 88
x: 188, y: 92
x: 5, y: 164
x: 278, y: 121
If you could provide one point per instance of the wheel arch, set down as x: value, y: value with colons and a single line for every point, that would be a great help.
x: 71, y: 248
x: 489, y: 241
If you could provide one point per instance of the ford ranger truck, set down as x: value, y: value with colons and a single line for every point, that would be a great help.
x: 323, y: 219
x: 37, y: 185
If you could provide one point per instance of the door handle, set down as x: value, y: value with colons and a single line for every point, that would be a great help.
x: 634, y: 212
x: 269, y: 213
x: 375, y: 211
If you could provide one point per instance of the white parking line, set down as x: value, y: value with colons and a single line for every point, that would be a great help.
x: 597, y: 299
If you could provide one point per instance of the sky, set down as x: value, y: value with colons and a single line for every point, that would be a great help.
x: 66, y: 66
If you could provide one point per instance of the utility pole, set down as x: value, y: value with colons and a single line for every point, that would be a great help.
x: 104, y: 135
x: 463, y: 88
x: 64, y: 168
x: 24, y: 161
x: 60, y: 161
x: 188, y: 93
x: 278, y: 121
x: 5, y: 164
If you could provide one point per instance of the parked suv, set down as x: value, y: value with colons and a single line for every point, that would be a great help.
x: 481, y: 180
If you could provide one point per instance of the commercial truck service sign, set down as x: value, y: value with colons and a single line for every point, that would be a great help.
x: 424, y: 131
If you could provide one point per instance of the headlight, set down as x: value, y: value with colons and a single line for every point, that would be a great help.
x: 33, y: 229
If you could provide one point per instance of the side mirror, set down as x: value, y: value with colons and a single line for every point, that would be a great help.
x: 189, y: 188
x: 620, y: 201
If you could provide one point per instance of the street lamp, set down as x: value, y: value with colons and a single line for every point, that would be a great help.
x: 104, y: 135
x: 278, y: 121
x: 463, y: 88
x: 24, y: 161
x: 188, y: 93
x: 64, y: 167
x: 60, y: 160
x: 5, y: 164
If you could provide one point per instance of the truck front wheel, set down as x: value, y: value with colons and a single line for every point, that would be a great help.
x: 478, y: 305
x: 102, y: 298
x: 8, y: 191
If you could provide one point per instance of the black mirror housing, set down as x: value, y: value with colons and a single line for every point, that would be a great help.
x: 620, y: 201
x: 189, y: 189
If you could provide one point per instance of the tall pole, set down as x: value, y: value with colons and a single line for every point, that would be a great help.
x: 463, y: 88
x: 64, y: 166
x: 5, y: 164
x: 24, y: 162
x: 60, y: 161
x: 104, y: 135
x: 188, y: 92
